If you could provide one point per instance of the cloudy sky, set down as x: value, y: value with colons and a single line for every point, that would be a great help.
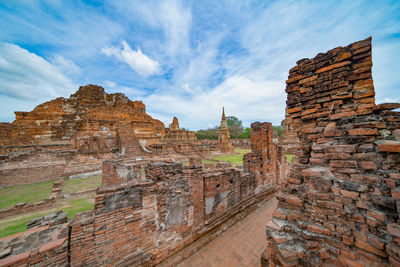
x: 185, y: 58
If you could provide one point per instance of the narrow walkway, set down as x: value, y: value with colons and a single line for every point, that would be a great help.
x: 241, y: 245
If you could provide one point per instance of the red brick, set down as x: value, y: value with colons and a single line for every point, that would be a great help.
x: 293, y: 200
x: 377, y: 215
x: 295, y: 79
x: 350, y: 194
x: 334, y: 66
x: 365, y: 246
x: 368, y: 165
x: 318, y: 229
x: 362, y: 131
x: 348, y: 240
x: 343, y: 163
x: 389, y: 146
x: 394, y: 229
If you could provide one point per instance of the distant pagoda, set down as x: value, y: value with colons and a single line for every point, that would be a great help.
x: 225, y: 143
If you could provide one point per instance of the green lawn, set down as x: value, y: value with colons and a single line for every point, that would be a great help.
x: 29, y: 193
x: 236, y: 159
x: 18, y: 224
x: 289, y: 157
x: 81, y: 184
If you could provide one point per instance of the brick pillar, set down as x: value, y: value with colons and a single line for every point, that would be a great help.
x: 340, y: 205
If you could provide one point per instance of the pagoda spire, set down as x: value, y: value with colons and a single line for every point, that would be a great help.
x: 223, y: 120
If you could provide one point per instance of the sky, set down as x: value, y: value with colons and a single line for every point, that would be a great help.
x: 185, y: 58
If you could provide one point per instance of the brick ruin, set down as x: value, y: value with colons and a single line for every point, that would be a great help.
x: 68, y: 136
x: 263, y: 159
x: 339, y: 202
x: 340, y: 205
x: 161, y: 216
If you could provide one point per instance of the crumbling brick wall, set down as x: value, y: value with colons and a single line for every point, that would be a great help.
x: 262, y: 161
x: 340, y: 205
x: 116, y: 172
x: 41, y: 246
x: 142, y: 222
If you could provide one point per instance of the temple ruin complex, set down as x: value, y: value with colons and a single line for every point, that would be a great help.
x: 71, y: 136
x: 338, y: 202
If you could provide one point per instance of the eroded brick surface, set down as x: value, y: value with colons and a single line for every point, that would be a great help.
x: 340, y: 205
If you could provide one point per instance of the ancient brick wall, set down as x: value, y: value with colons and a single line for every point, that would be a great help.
x: 138, y: 222
x: 340, y: 205
x: 221, y: 191
x: 263, y: 159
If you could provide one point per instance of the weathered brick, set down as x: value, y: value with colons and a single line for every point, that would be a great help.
x: 343, y: 163
x: 368, y: 165
x: 365, y: 246
x: 318, y: 229
x: 389, y: 146
x: 349, y: 194
x: 362, y: 131
x: 334, y: 66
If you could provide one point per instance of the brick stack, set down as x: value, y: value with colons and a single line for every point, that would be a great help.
x: 262, y: 161
x: 340, y: 205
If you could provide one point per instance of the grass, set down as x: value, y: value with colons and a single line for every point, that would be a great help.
x: 206, y: 161
x: 18, y: 224
x: 81, y: 184
x: 78, y: 205
x: 289, y: 157
x: 236, y: 159
x: 29, y: 193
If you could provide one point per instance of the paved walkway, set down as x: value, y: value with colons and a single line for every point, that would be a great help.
x: 241, y: 245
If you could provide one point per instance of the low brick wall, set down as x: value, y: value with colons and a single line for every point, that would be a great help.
x: 175, y: 211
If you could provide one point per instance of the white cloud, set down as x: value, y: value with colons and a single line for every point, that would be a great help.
x: 65, y: 65
x: 138, y: 61
x: 242, y: 97
x: 24, y: 75
x: 113, y: 87
x: 176, y: 21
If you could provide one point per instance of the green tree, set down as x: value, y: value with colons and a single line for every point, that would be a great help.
x: 277, y: 129
x: 246, y: 133
x: 211, y: 133
x: 232, y: 120
x: 235, y: 126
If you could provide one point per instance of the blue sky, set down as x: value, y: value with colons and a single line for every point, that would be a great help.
x: 185, y: 58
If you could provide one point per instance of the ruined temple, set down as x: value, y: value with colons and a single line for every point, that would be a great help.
x: 156, y: 219
x: 225, y: 143
x: 340, y: 205
x: 73, y: 135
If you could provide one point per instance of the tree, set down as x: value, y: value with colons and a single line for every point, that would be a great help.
x: 211, y: 133
x: 235, y: 126
x: 232, y: 120
x: 246, y: 133
x: 277, y: 129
